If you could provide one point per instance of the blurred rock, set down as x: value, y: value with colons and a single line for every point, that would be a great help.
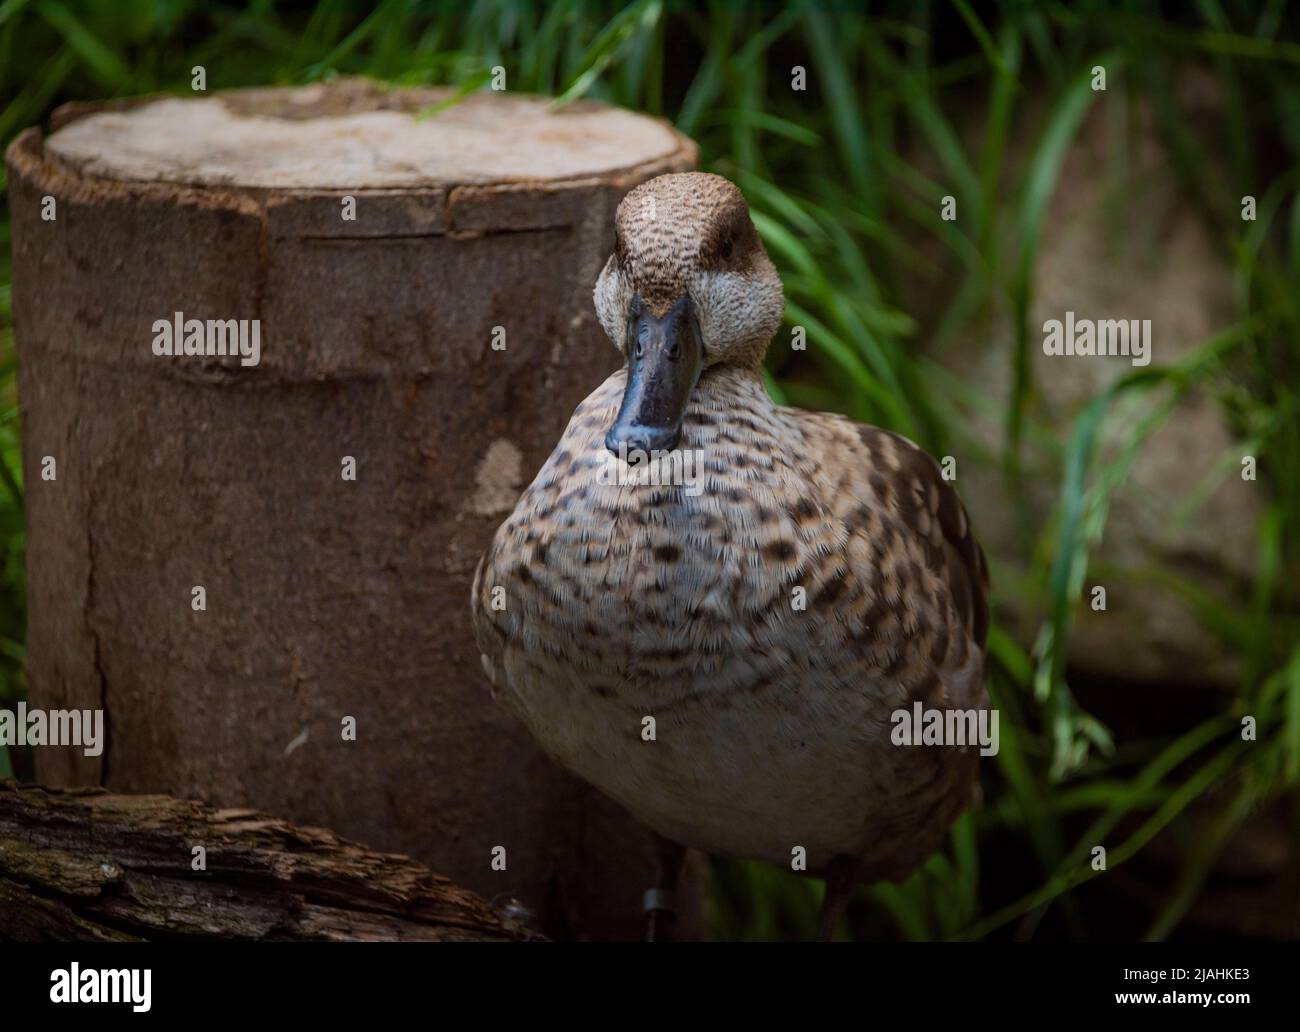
x: 1119, y: 240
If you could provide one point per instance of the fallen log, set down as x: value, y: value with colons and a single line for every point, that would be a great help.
x: 86, y: 864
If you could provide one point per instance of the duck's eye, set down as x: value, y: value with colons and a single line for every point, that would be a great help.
x: 724, y: 249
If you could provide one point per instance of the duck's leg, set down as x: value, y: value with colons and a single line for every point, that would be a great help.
x: 660, y: 901
x: 842, y: 877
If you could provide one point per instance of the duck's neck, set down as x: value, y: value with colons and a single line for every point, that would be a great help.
x: 731, y: 386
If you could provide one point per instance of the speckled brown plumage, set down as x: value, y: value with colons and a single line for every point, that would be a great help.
x: 622, y: 601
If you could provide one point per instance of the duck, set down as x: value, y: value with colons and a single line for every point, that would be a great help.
x: 712, y: 607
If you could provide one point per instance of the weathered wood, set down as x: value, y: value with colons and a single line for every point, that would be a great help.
x: 326, y: 598
x: 84, y: 864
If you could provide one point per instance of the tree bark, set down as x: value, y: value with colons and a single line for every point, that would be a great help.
x: 328, y: 600
x: 85, y: 865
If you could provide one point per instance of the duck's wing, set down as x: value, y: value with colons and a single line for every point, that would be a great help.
x: 911, y: 554
x: 908, y: 587
x: 910, y: 483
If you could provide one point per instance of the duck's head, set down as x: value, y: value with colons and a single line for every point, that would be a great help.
x: 688, y: 287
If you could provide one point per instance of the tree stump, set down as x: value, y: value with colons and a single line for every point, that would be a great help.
x: 432, y: 346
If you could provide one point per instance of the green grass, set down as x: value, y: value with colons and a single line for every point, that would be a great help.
x: 846, y: 180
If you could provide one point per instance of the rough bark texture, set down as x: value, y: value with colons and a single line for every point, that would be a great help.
x: 326, y: 598
x: 82, y: 864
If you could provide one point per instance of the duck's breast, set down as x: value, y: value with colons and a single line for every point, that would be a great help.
x: 721, y: 654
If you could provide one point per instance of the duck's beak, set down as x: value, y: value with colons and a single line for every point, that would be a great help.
x: 665, y: 356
